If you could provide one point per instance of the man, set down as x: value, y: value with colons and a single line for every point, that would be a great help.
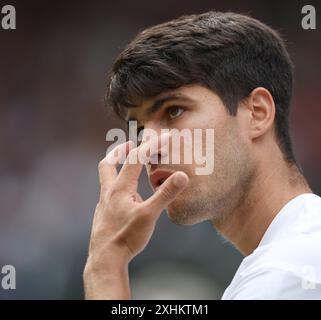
x: 232, y: 73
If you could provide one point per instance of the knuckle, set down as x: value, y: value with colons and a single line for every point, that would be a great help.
x: 146, y: 215
x: 101, y: 205
x: 101, y: 164
x: 144, y: 211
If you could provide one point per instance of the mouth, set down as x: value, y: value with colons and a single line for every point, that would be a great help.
x: 158, y: 177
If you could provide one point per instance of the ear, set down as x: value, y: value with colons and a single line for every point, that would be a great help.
x: 261, y: 110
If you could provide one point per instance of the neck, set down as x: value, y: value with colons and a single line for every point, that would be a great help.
x: 271, y: 190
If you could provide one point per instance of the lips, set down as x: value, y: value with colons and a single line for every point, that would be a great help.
x: 158, y: 177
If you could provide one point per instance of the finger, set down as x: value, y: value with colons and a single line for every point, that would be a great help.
x: 131, y: 170
x: 167, y: 192
x: 107, y: 167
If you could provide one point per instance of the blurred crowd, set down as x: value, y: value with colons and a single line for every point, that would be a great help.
x: 53, y: 124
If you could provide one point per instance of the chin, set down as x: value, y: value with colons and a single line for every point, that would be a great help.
x: 188, y: 210
x: 180, y: 215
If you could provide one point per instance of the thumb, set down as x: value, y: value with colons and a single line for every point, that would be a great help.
x: 167, y: 192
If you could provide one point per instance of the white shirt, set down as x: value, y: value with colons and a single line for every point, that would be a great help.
x: 287, y: 262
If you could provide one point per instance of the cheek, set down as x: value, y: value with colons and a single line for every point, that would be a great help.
x: 207, y: 129
x: 194, y: 147
x: 229, y: 145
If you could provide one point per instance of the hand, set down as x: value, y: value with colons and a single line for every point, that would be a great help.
x: 123, y: 223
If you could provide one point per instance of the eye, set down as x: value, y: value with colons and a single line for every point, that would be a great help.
x: 174, y: 112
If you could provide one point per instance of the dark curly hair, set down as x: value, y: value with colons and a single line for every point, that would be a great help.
x: 229, y: 53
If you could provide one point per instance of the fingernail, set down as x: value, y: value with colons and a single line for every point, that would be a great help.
x: 130, y: 144
x: 180, y: 180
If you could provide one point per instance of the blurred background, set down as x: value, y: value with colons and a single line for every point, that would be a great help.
x: 52, y: 135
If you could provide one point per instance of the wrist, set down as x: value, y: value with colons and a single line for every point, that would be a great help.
x: 107, y: 283
x: 106, y: 275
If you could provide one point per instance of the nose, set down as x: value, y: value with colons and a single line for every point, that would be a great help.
x: 151, y: 128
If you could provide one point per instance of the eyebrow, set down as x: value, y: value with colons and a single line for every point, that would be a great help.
x: 161, y: 101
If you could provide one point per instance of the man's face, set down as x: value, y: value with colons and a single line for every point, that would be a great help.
x: 214, y: 195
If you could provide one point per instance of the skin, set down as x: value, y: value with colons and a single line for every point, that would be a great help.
x: 250, y: 183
